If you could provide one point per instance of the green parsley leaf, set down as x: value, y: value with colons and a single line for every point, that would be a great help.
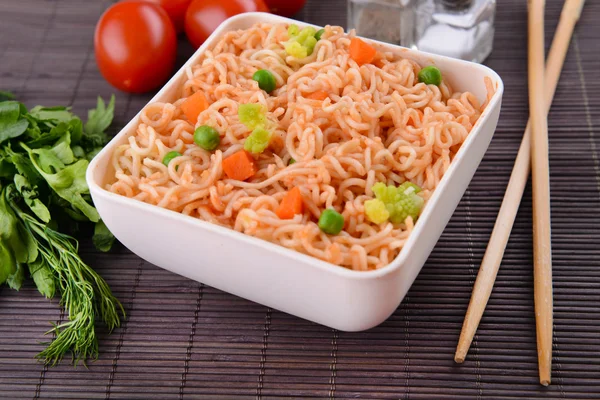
x: 4, y: 95
x: 69, y: 183
x: 11, y: 125
x: 42, y: 275
x: 30, y: 196
x: 103, y: 239
x: 15, y: 280
x: 54, y: 115
x: 100, y: 118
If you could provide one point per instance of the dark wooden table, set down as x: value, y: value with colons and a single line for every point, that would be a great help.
x: 186, y: 340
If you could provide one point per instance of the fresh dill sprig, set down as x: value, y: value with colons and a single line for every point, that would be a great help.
x: 84, y: 295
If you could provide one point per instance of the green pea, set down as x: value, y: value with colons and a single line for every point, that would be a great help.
x: 430, y: 76
x: 169, y: 156
x: 207, y: 137
x: 331, y: 222
x: 292, y: 161
x: 266, y: 80
x: 319, y: 33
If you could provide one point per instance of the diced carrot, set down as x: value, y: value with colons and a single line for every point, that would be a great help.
x: 318, y: 95
x: 411, y: 121
x: 194, y: 105
x: 291, y: 204
x: 361, y: 52
x: 239, y: 166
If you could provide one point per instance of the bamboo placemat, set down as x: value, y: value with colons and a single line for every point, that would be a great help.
x: 186, y: 340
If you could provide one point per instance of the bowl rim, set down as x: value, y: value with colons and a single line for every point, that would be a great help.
x: 97, y: 190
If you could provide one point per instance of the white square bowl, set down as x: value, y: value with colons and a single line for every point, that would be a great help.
x: 271, y: 274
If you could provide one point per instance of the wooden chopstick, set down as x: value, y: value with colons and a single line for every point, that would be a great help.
x: 514, y: 191
x: 540, y: 178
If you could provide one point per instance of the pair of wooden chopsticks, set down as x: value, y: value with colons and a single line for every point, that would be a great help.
x: 534, y: 149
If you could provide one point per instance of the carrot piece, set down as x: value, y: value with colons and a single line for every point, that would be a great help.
x: 239, y: 166
x: 361, y: 52
x: 411, y: 121
x: 194, y: 105
x: 318, y: 95
x: 291, y: 204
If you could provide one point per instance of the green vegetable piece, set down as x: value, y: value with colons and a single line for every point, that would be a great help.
x: 54, y: 115
x: 319, y: 33
x: 25, y: 167
x: 4, y: 95
x: 11, y: 125
x: 307, y: 39
x: 207, y: 137
x: 78, y: 152
x: 376, y: 211
x: 170, y: 156
x: 7, y: 169
x: 252, y: 115
x: 401, y: 202
x: 15, y: 280
x: 7, y: 262
x: 295, y: 49
x: 258, y: 141
x: 430, y: 76
x: 407, y: 206
x: 92, y: 153
x: 292, y: 161
x: 103, y: 239
x: 305, y: 33
x: 30, y: 196
x: 14, y: 245
x: 331, y: 222
x: 266, y: 80
x: 293, y: 30
x: 69, y: 183
x: 10, y: 234
x: 75, y: 128
x: 31, y: 245
x: 75, y: 215
x: 52, y: 160
x: 302, y: 44
x: 62, y: 149
x: 48, y: 160
x: 94, y: 137
x: 408, y: 185
x: 310, y: 44
x: 34, y: 130
x: 49, y: 138
x: 387, y: 194
x: 100, y: 118
x: 43, y: 277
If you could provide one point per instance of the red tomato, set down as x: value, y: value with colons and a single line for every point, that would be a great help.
x: 204, y: 16
x: 176, y: 10
x: 135, y: 45
x: 287, y: 8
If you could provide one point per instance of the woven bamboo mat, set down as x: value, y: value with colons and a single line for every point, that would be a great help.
x: 186, y: 340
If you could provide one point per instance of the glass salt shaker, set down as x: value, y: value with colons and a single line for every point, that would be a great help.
x: 390, y: 21
x: 455, y: 28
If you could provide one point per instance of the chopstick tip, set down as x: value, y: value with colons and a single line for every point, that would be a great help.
x: 545, y: 376
x: 459, y: 357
